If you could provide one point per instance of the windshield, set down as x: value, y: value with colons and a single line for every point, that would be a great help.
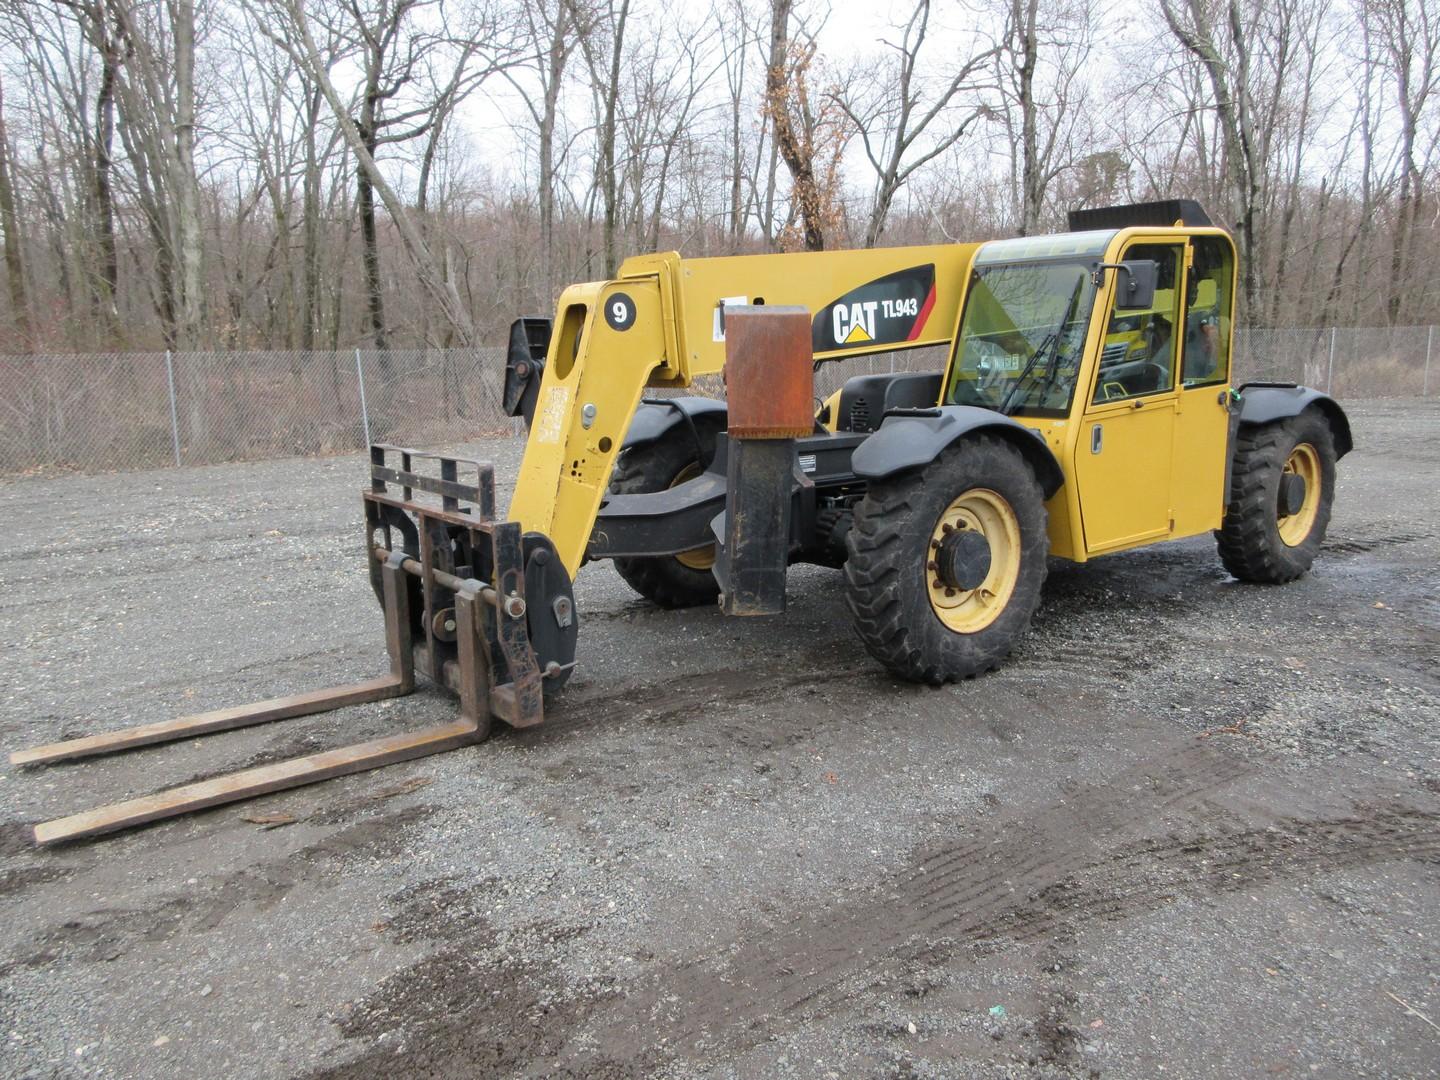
x: 1022, y: 337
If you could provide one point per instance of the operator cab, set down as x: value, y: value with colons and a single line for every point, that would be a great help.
x: 1113, y: 346
x: 1028, y: 312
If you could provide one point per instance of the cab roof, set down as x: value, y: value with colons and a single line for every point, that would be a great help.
x: 1056, y: 246
x: 1162, y: 212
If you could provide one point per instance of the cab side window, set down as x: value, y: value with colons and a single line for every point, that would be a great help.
x: 1139, y: 353
x: 1206, y: 358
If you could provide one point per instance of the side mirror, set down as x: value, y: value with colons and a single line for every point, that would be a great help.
x: 1135, y: 288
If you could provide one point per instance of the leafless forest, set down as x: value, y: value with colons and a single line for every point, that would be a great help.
x: 321, y: 174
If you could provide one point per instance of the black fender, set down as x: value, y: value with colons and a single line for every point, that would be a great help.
x: 910, y: 440
x: 1263, y: 403
x: 658, y: 416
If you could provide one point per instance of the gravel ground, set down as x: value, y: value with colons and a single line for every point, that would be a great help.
x: 1193, y: 828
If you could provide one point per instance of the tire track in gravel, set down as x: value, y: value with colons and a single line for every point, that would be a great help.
x: 1356, y: 544
x: 1021, y: 878
x: 108, y: 933
x: 1075, y: 864
x: 657, y: 702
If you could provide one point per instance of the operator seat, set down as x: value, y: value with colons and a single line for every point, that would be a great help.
x: 865, y: 399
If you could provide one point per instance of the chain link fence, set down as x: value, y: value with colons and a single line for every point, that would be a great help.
x: 117, y: 411
x: 1354, y: 362
x: 141, y: 410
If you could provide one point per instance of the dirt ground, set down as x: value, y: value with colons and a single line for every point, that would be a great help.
x: 1192, y: 830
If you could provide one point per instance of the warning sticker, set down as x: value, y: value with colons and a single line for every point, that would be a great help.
x: 887, y: 311
x: 720, y: 306
x: 550, y: 421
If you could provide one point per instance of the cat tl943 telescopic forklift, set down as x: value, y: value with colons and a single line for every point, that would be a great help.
x: 1085, y: 407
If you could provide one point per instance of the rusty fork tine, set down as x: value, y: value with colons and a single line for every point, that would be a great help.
x: 259, y: 712
x: 470, y: 626
x: 473, y: 726
x: 261, y: 780
x: 399, y: 682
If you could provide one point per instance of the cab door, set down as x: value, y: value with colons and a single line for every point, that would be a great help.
x: 1202, y: 426
x: 1124, y: 458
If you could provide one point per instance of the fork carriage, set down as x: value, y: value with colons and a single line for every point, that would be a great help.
x: 470, y: 603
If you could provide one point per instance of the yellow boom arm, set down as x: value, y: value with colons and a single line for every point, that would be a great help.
x: 660, y: 323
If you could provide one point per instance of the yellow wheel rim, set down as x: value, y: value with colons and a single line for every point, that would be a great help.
x: 967, y: 611
x: 701, y: 558
x: 1303, y: 462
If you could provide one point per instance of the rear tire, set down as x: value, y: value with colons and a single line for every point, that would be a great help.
x: 910, y: 619
x: 1258, y: 541
x: 668, y: 581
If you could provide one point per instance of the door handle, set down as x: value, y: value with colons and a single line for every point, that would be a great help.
x: 1097, y: 438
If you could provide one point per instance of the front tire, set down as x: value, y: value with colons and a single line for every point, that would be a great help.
x: 668, y: 581
x: 946, y: 564
x: 1282, y: 489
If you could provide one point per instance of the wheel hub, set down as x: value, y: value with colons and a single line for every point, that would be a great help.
x: 1292, y: 494
x: 963, y: 561
x: 973, y: 560
x: 1298, y: 496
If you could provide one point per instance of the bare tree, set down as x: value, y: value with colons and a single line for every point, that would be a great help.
x: 664, y: 103
x: 898, y: 112
x: 1216, y: 35
x: 602, y: 40
x: 1043, y: 51
x: 184, y: 179
x: 10, y: 222
x: 804, y: 135
x: 549, y: 37
x: 148, y: 71
x: 1298, y: 51
x: 361, y: 138
x: 737, y: 35
x: 1408, y: 35
x: 155, y: 85
x: 253, y: 172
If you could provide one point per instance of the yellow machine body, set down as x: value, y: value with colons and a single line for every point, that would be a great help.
x: 1158, y: 472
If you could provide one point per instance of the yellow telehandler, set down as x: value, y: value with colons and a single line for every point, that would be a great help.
x: 1085, y: 407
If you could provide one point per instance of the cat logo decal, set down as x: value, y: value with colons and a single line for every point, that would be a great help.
x: 890, y: 310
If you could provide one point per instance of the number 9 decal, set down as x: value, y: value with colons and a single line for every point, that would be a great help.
x: 620, y: 311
